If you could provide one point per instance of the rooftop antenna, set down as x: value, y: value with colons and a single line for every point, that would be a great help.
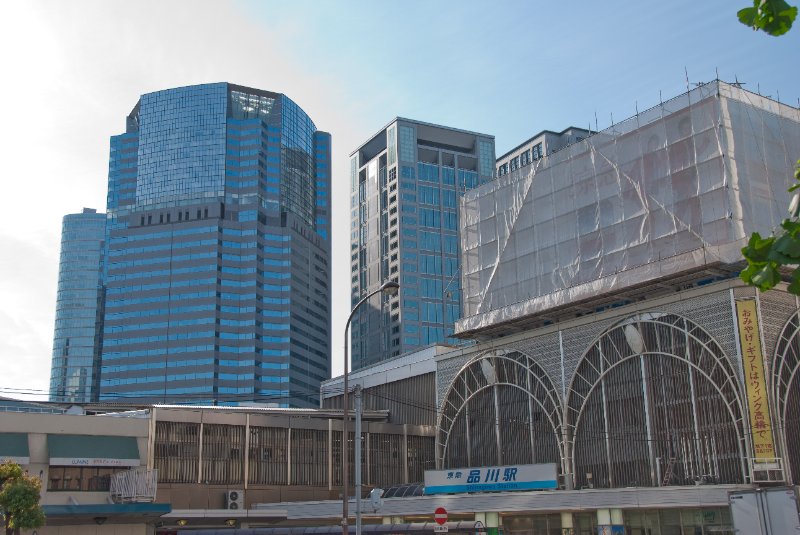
x: 778, y: 96
x: 660, y: 99
x: 595, y: 121
x: 686, y: 74
x: 716, y: 71
x: 737, y: 83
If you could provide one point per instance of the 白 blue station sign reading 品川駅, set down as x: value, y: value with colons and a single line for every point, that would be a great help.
x: 491, y: 478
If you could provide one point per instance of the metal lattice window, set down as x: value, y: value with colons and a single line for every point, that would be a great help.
x: 177, y: 451
x: 501, y: 408
x: 786, y: 394
x: 655, y: 401
x: 267, y: 456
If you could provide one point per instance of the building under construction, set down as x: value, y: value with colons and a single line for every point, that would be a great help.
x: 613, y: 340
x: 614, y: 337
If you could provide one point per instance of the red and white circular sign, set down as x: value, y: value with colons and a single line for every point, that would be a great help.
x: 440, y: 515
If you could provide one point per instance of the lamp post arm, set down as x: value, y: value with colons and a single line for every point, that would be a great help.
x: 346, y: 409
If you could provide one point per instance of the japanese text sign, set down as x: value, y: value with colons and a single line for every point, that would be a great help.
x: 755, y: 381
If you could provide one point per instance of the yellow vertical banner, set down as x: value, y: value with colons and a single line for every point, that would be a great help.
x: 754, y: 379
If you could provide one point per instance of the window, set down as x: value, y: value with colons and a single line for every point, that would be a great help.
x: 429, y: 218
x: 453, y: 313
x: 407, y: 143
x: 428, y: 172
x: 450, y: 244
x: 431, y: 335
x: 448, y: 176
x: 431, y: 288
x: 449, y: 198
x: 430, y: 264
x: 430, y: 241
x: 486, y: 156
x: 429, y: 195
x: 74, y: 478
x: 450, y: 266
x: 432, y: 312
x: 450, y: 220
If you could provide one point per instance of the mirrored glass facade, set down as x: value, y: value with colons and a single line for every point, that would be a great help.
x: 79, y: 309
x: 406, y: 184
x: 216, y: 251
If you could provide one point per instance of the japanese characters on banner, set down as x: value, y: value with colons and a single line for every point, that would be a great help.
x: 755, y: 380
x: 491, y: 478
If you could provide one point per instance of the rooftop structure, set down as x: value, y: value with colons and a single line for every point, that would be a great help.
x: 670, y: 195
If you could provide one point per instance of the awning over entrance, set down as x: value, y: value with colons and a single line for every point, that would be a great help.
x: 86, y: 450
x: 116, y: 513
x: 14, y: 448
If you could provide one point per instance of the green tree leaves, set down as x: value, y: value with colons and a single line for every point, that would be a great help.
x: 19, y: 499
x: 766, y: 256
x: 774, y: 17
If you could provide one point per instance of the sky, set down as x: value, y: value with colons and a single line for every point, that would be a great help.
x: 74, y: 70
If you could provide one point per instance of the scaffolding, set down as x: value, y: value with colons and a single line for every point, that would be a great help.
x: 670, y: 191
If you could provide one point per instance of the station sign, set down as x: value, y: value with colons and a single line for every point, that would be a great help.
x: 492, y: 478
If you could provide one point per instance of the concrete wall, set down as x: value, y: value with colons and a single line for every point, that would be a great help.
x: 70, y: 424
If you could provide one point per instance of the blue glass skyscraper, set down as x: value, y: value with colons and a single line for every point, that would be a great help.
x: 77, y: 338
x: 217, y: 251
x: 405, y: 186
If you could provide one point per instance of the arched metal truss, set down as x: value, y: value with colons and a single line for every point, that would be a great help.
x: 654, y: 401
x: 501, y: 408
x: 785, y: 390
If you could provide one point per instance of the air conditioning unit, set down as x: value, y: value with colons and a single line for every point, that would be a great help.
x: 234, y: 499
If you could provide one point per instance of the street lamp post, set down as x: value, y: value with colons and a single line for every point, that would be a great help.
x: 388, y: 287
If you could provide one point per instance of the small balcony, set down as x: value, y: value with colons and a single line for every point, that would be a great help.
x: 134, y: 486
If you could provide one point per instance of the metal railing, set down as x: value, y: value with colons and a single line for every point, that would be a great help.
x: 134, y: 486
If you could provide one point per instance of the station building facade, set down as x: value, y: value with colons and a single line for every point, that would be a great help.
x: 157, y: 469
x: 607, y: 332
x: 611, y: 333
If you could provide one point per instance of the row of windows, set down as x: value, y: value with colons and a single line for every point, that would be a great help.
x: 521, y: 160
x: 161, y: 260
x: 160, y: 285
x: 161, y: 247
x: 113, y: 316
x: 156, y: 379
x: 114, y: 355
x: 182, y: 215
x: 89, y: 479
x: 158, y: 365
x: 110, y: 342
x: 157, y: 325
x: 432, y: 218
x: 157, y: 235
x: 159, y: 352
